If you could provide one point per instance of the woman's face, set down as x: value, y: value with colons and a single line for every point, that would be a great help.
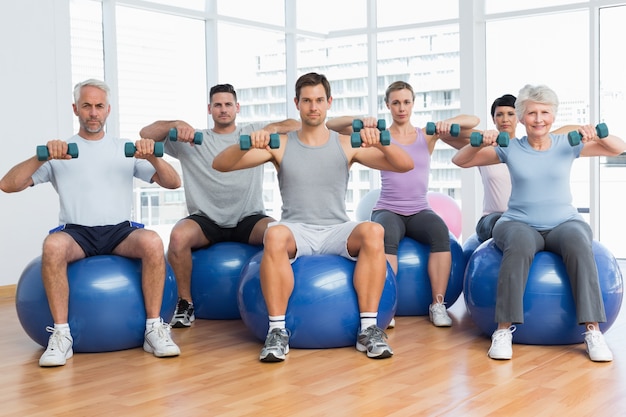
x: 505, y: 119
x: 537, y: 119
x: 400, y: 103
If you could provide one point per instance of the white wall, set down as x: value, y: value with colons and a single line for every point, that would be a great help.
x: 35, y: 106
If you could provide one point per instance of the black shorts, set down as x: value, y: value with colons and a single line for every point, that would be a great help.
x: 99, y: 240
x: 215, y: 233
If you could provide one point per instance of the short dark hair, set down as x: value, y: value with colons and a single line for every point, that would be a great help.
x: 506, y: 100
x: 312, y: 79
x: 222, y: 88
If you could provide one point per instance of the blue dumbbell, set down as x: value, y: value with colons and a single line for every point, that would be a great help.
x: 357, y: 125
x: 431, y: 129
x: 574, y: 137
x: 130, y: 149
x: 197, y: 136
x: 43, y: 153
x: 245, y: 141
x: 476, y: 139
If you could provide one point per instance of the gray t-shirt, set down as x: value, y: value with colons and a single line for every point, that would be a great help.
x: 224, y: 197
x: 95, y: 189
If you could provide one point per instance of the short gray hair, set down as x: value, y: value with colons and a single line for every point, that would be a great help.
x: 535, y: 94
x: 93, y: 83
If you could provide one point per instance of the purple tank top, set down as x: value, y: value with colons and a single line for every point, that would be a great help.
x: 405, y: 192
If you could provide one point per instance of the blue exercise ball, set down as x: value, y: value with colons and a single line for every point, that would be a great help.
x: 549, y: 309
x: 469, y: 246
x: 413, y: 282
x: 106, y: 307
x: 215, y: 279
x: 323, y: 311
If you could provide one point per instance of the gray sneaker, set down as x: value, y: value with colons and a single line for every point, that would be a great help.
x: 184, y: 315
x: 372, y: 341
x: 276, y: 346
x: 59, y: 348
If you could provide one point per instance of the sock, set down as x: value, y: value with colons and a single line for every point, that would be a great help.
x: 63, y: 327
x: 277, y: 322
x: 368, y: 319
x: 150, y: 322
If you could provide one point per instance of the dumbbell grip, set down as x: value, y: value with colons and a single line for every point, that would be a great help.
x: 574, y: 137
x: 43, y: 153
x: 173, y: 136
x: 245, y: 141
x: 455, y: 129
x: 476, y: 139
x: 357, y: 125
x: 130, y: 149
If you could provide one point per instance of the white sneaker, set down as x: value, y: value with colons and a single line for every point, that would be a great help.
x: 59, y: 348
x: 597, y: 348
x: 392, y: 323
x: 438, y: 314
x: 158, y: 341
x: 502, y: 344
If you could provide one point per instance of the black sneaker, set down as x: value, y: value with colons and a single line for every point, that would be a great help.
x: 183, y: 316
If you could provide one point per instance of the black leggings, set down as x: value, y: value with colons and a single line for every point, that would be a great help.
x: 425, y: 227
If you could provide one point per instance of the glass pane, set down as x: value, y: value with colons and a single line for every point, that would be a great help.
x: 87, y: 44
x: 500, y: 6
x: 428, y: 59
x: 612, y: 110
x: 404, y: 12
x: 323, y: 16
x: 266, y: 11
x: 159, y: 79
x: 554, y: 53
x: 187, y: 4
x: 257, y: 71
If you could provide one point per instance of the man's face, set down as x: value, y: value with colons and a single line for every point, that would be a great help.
x: 92, y: 109
x: 313, y: 105
x: 223, y: 109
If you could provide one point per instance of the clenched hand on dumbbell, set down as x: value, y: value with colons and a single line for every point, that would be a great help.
x: 431, y: 129
x: 57, y: 149
x: 143, y: 148
x: 245, y: 142
x: 357, y: 125
x: 574, y: 137
x: 173, y: 136
x: 476, y: 139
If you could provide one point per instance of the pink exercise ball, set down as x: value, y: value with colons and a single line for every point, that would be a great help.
x: 448, y: 209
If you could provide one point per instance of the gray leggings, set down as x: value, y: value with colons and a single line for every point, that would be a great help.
x: 425, y: 227
x: 572, y: 240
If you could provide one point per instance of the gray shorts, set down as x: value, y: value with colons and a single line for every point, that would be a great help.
x: 316, y: 240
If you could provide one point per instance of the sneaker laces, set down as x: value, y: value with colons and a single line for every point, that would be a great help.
x: 275, y: 338
x: 594, y: 336
x: 162, y: 330
x: 375, y: 335
x: 439, y: 301
x: 56, y: 339
x: 182, y: 305
x: 500, y: 335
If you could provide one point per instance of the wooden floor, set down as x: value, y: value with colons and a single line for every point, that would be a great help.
x: 434, y: 372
